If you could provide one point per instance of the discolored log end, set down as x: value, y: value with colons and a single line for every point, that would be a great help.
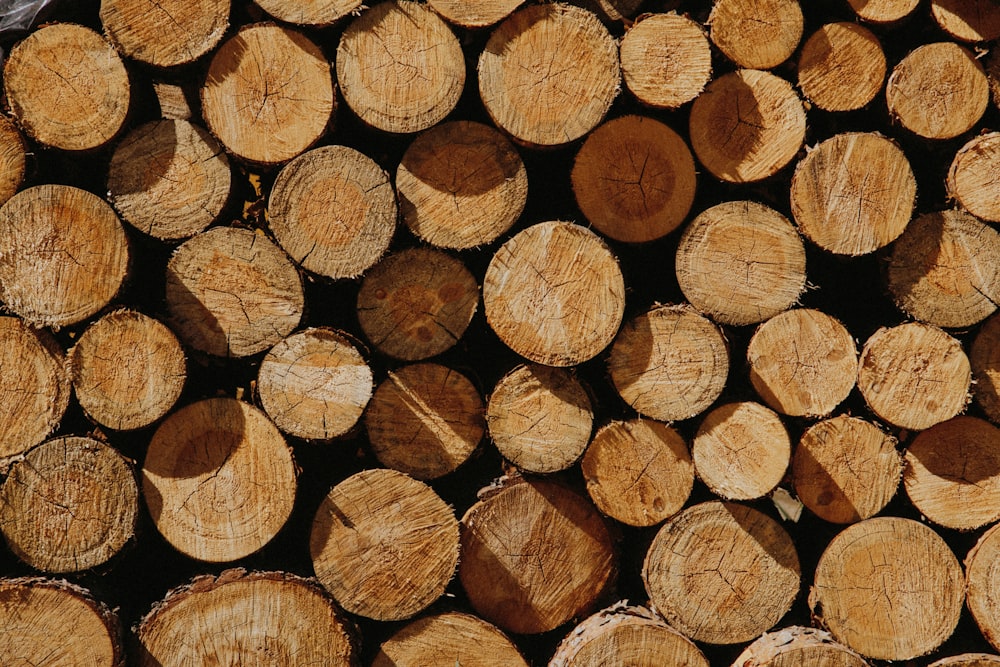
x: 70, y: 505
x: 798, y: 645
x: 666, y: 60
x: 400, y: 67
x: 447, y: 639
x: 384, y: 545
x: 973, y: 176
x: 841, y: 67
x: 549, y: 73
x: 165, y: 33
x: 268, y: 94
x: 12, y: 159
x: 755, y: 34
x: 218, y: 479
x: 319, y: 13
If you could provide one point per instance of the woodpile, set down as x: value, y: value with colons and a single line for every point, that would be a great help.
x: 501, y: 332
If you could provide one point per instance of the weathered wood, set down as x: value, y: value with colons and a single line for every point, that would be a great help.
x: 666, y: 60
x: 841, y: 67
x: 451, y: 638
x: 755, y: 34
x: 165, y: 33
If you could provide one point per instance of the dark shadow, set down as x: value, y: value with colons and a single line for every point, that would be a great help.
x: 768, y: 535
x: 191, y: 319
x: 738, y: 127
x: 468, y: 164
x: 963, y: 451
x: 819, y: 491
x: 227, y: 59
x: 147, y: 161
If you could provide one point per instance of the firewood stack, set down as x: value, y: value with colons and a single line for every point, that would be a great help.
x: 486, y: 332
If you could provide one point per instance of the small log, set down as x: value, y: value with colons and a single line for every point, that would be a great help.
x: 666, y: 60
x: 268, y: 94
x: 333, y: 210
x: 128, y: 370
x: 974, y: 176
x: 938, y: 91
x: 611, y: 11
x: 638, y: 472
x: 474, y: 13
x: 968, y: 20
x: 914, y: 375
x: 218, y: 479
x: 400, y: 67
x: 70, y: 505
x: 232, y: 293
x: 982, y: 589
x: 516, y: 538
x: 669, y: 363
x: 449, y: 205
x: 241, y: 618
x: 740, y: 262
x: 417, y: 303
x: 34, y: 387
x: 846, y: 469
x: 316, y: 13
x: 854, y: 193
x: 721, y: 596
x: 451, y: 638
x: 384, y: 545
x: 747, y: 126
x: 12, y: 159
x: 984, y: 358
x: 63, y: 254
x: 554, y: 293
x: 173, y: 100
x: 67, y: 87
x: 741, y: 451
x: 952, y: 473
x: 54, y: 622
x: 314, y: 384
x: 621, y: 635
x: 883, y: 11
x: 169, y: 179
x: 968, y: 660
x: 797, y: 645
x: 425, y: 420
x: 888, y: 588
x: 634, y: 179
x: 540, y: 418
x: 165, y: 33
x: 841, y: 67
x: 755, y: 34
x: 945, y: 269
x: 803, y: 362
x: 549, y: 73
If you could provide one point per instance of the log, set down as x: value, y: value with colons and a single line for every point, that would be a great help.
x: 449, y: 205
x: 638, y: 472
x: 400, y: 67
x: 972, y: 179
x: 984, y: 358
x: 612, y: 11
x: 54, y: 622
x: 740, y: 262
x: 474, y: 13
x: 384, y: 545
x: 741, y: 451
x: 797, y: 645
x: 803, y: 362
x: 173, y: 100
x: 914, y: 375
x: 69, y: 505
x: 316, y: 13
x: 934, y: 106
x: 982, y: 592
x: 968, y: 20
x: 417, y: 303
x: 666, y: 60
x: 623, y: 634
x: 315, y: 384
x: 165, y: 33
x: 268, y: 94
x: 450, y: 638
x: 952, y: 473
x: 34, y: 387
x: 128, y: 370
x: 549, y: 74
x: 721, y: 596
x: 540, y: 418
x: 333, y: 210
x: 554, y: 293
x: 12, y: 159
x: 218, y: 479
x: 846, y: 469
x: 169, y: 179
x: 669, y: 363
x: 841, y: 67
x: 854, y: 193
x: 888, y: 588
x: 534, y: 555
x: 232, y: 293
x: 634, y: 179
x: 66, y: 87
x: 63, y: 254
x: 756, y: 35
x: 968, y: 660
x: 425, y: 420
x: 246, y: 618
x: 883, y: 11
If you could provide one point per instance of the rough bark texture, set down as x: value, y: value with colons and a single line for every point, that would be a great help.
x: 451, y: 638
x: 666, y: 60
x: 795, y: 646
x: 974, y: 176
x: 384, y: 545
x: 756, y: 34
x: 165, y: 33
x: 841, y: 67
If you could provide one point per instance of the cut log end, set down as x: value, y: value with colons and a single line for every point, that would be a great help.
x: 447, y: 639
x: 985, y: 362
x: 974, y: 176
x: 983, y: 590
x: 755, y: 34
x: 316, y: 13
x: 841, y: 67
x: 474, y: 13
x: 165, y: 33
x: 883, y: 11
x: 798, y: 645
x: 968, y: 20
x: 12, y: 159
x: 666, y: 60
